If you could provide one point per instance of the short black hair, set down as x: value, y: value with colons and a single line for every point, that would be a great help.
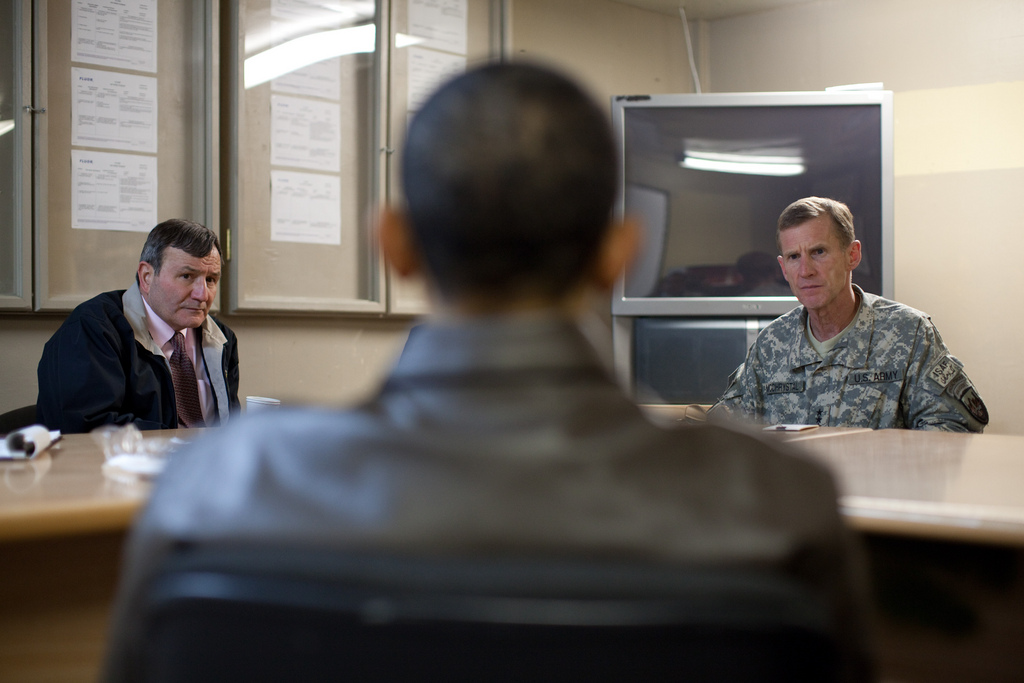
x: 195, y: 239
x: 510, y: 174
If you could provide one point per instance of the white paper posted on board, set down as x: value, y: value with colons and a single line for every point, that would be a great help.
x: 113, y: 191
x: 305, y: 207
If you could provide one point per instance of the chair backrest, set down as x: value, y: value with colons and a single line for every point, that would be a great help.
x: 266, y: 615
x: 18, y: 418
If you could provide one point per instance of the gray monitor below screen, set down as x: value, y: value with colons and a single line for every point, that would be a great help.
x: 688, y: 360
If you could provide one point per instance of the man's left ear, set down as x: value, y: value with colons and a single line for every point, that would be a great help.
x: 616, y: 252
x: 855, y: 254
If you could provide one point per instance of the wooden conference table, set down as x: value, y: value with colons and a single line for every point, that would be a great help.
x: 942, y: 516
x: 62, y: 524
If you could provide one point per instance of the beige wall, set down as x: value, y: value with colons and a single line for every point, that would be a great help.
x: 614, y: 49
x: 21, y: 344
x: 957, y: 71
x: 337, y: 361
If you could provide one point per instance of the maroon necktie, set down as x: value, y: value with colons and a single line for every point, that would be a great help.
x: 186, y: 389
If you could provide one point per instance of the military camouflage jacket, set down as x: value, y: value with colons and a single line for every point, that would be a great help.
x: 890, y: 370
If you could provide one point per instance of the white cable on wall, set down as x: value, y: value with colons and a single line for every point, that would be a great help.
x: 689, y: 50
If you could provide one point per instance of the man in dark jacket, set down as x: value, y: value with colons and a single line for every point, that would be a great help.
x: 150, y: 355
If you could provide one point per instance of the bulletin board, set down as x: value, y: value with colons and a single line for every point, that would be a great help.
x: 156, y: 156
x: 304, y: 168
x: 415, y: 70
x: 312, y: 152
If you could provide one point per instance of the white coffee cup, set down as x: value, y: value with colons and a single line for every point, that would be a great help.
x: 261, y: 403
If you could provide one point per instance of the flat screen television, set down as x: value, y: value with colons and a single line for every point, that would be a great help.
x: 708, y: 175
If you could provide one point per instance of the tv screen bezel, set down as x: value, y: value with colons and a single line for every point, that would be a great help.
x: 747, y: 306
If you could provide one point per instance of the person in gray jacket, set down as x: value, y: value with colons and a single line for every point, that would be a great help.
x: 500, y: 432
x: 846, y: 358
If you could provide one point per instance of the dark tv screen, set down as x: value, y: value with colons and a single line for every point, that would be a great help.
x: 708, y: 176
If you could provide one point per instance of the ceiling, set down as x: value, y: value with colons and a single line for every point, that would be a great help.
x: 710, y: 10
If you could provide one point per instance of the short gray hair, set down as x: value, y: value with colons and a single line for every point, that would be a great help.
x: 803, y: 210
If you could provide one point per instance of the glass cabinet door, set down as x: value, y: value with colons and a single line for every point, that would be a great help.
x: 125, y: 136
x: 15, y: 159
x: 431, y: 42
x: 304, y: 161
x: 320, y: 96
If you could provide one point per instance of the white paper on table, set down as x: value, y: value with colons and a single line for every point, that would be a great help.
x: 144, y: 466
x: 305, y: 207
x: 27, y: 442
x: 305, y: 133
x: 120, y: 34
x: 113, y: 110
x: 428, y: 69
x: 441, y: 24
x: 113, y: 191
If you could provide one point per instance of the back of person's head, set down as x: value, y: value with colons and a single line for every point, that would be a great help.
x: 803, y: 210
x: 195, y: 239
x: 509, y: 173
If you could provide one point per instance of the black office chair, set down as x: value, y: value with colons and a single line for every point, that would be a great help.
x: 263, y: 615
x: 18, y: 418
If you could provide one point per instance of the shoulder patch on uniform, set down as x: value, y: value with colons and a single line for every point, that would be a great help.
x: 975, y: 406
x: 959, y: 386
x: 944, y: 371
x: 962, y: 390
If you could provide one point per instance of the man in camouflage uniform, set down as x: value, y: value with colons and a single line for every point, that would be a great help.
x: 846, y: 358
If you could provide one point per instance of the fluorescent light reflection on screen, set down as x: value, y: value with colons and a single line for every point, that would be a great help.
x: 6, y: 126
x: 316, y: 47
x: 777, y: 166
x: 760, y: 157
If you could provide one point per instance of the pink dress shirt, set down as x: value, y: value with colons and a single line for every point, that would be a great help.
x: 162, y: 333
